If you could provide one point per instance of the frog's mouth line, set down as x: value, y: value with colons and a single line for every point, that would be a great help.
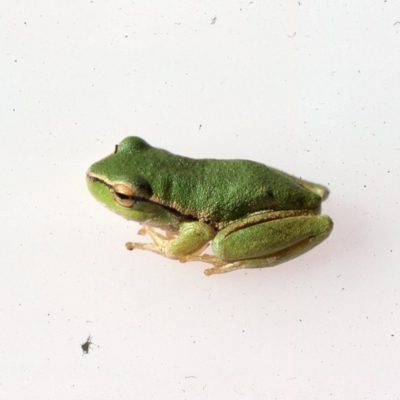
x: 104, y: 181
x: 98, y: 178
x: 111, y: 186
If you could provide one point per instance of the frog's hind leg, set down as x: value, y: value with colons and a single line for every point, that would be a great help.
x: 272, y: 259
x: 269, y: 243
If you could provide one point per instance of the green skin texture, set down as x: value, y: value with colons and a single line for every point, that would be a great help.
x: 253, y: 215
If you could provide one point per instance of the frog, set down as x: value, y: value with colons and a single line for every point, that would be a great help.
x: 254, y: 216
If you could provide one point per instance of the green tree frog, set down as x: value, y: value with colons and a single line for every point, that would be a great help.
x: 254, y: 216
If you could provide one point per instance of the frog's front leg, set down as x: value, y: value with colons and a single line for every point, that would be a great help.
x: 258, y: 241
x: 191, y: 240
x: 156, y: 236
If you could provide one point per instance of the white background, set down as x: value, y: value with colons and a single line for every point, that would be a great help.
x: 305, y: 86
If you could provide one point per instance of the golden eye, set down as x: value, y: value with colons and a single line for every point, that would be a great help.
x: 124, y: 195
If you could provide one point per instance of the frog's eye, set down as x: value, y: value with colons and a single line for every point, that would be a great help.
x: 124, y: 195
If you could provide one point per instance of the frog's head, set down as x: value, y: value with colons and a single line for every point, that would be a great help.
x: 114, y: 182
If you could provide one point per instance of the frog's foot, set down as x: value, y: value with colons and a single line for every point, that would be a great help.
x: 207, y: 258
x: 159, y: 244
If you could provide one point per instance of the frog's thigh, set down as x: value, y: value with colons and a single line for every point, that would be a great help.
x: 269, y: 243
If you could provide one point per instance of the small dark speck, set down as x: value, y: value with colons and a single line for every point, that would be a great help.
x: 199, y: 126
x: 397, y: 22
x: 392, y: 335
x: 213, y: 21
x: 86, y: 346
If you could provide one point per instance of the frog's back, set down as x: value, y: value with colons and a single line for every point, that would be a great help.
x: 208, y: 189
x: 225, y: 190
